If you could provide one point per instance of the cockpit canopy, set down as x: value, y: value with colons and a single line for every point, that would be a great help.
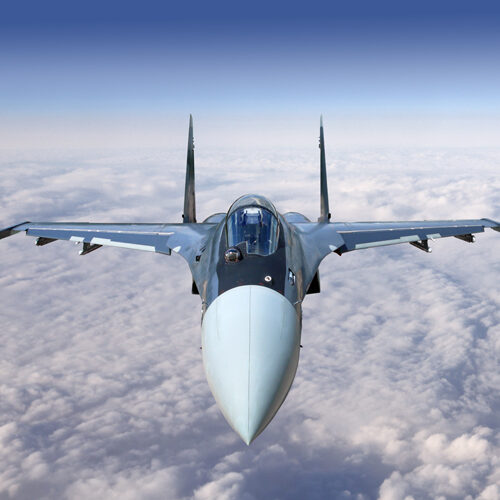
x: 253, y: 220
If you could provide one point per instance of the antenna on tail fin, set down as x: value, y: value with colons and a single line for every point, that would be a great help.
x: 189, y: 214
x: 325, y: 209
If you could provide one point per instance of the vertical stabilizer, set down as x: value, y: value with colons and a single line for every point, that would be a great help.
x: 325, y: 208
x: 189, y: 214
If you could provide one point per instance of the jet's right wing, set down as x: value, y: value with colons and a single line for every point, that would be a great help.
x: 185, y: 239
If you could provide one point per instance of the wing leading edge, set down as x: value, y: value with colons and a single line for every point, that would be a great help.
x: 184, y: 239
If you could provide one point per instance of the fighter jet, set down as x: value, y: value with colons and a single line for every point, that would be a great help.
x: 252, y: 268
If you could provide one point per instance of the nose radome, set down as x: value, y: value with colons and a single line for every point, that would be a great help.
x: 250, y: 338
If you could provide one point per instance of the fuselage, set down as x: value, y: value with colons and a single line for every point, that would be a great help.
x: 250, y: 276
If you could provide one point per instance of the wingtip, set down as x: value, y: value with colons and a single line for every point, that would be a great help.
x: 190, y: 120
x: 9, y: 231
x: 320, y: 120
x: 493, y: 224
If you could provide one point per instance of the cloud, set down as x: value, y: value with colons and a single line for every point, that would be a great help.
x: 102, y: 391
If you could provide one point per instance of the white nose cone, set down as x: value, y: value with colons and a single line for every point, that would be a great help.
x: 251, y: 343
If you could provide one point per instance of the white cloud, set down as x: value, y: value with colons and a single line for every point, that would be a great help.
x: 491, y: 492
x: 102, y: 391
x: 394, y: 488
x: 227, y: 487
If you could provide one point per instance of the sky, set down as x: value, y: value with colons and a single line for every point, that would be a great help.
x: 102, y: 390
x: 127, y: 73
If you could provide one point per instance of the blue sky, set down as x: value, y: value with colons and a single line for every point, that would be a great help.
x: 278, y: 61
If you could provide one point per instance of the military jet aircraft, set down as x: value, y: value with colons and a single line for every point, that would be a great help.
x: 252, y: 268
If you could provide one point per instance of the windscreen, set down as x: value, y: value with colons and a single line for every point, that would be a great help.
x: 255, y: 226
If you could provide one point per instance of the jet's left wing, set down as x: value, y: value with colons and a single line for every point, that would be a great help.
x: 341, y: 237
x: 185, y: 239
x: 359, y: 235
x: 319, y: 238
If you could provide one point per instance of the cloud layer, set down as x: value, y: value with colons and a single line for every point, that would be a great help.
x: 102, y: 391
